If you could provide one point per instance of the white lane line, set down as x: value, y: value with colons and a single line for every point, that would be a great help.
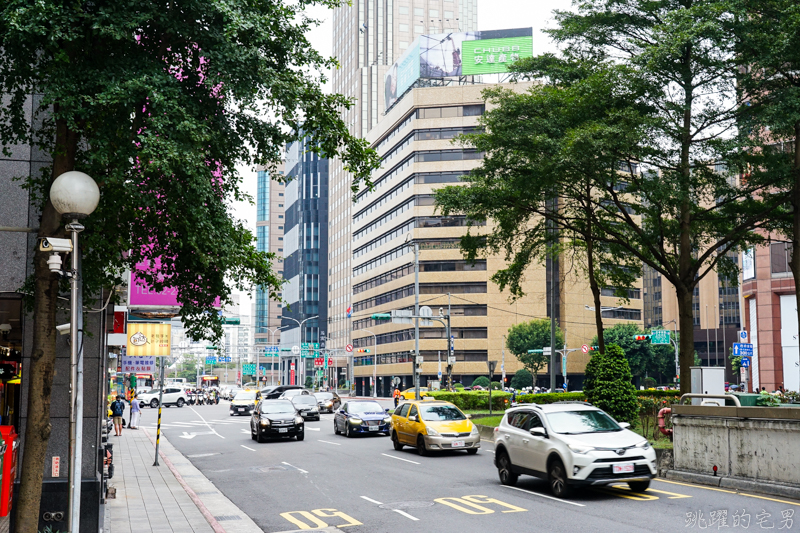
x: 398, y: 511
x: 298, y: 469
x: 313, y: 429
x: 544, y: 496
x: 400, y: 458
x: 376, y: 502
x: 207, y: 424
x: 246, y: 448
x: 329, y: 442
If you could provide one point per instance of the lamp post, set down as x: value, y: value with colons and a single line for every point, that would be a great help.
x: 300, y: 325
x: 75, y: 195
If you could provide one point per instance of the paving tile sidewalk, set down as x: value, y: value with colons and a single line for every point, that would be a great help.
x: 163, y: 499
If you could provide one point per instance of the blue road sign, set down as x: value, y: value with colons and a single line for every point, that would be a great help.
x: 742, y: 350
x: 745, y: 362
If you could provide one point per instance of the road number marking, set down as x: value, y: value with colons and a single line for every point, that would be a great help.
x: 469, y: 504
x: 485, y: 499
x: 295, y: 518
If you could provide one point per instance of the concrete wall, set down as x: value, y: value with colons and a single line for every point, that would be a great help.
x: 754, y: 443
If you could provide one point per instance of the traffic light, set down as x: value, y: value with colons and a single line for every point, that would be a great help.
x: 641, y: 337
x: 363, y: 350
x: 594, y: 348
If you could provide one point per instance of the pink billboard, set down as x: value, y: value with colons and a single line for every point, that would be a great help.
x: 140, y: 293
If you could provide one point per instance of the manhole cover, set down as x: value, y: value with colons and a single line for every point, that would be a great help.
x: 406, y: 505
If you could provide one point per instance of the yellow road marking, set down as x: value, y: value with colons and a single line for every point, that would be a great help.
x: 330, y: 513
x: 316, y: 522
x: 729, y: 492
x: 485, y: 499
x: 638, y: 496
x: 672, y: 495
x: 454, y: 503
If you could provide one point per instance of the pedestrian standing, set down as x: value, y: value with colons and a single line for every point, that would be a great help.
x: 117, y: 410
x: 396, y: 397
x: 135, y: 412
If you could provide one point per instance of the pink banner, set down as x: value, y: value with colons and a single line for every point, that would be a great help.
x: 142, y: 294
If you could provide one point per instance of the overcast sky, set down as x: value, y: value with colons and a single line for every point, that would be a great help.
x: 492, y: 15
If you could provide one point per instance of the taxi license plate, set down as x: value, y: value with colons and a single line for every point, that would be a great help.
x: 622, y: 468
x: 374, y: 428
x: 457, y: 444
x: 283, y: 430
x: 241, y: 409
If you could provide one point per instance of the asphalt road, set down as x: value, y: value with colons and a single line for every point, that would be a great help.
x: 363, y: 485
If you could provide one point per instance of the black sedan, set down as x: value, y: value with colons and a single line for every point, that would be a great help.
x: 362, y: 416
x: 276, y: 418
x: 328, y: 401
x: 306, y: 405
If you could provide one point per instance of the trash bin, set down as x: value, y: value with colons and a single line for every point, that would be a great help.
x: 9, y: 453
x: 747, y: 399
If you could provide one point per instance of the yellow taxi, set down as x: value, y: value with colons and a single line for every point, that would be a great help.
x: 432, y: 425
x: 244, y: 402
x: 410, y: 394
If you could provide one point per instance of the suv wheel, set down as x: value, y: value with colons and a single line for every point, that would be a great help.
x: 504, y: 470
x: 181, y: 402
x: 557, y: 477
x: 154, y: 403
x: 639, y: 486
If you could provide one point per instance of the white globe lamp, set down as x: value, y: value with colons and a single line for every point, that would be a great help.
x: 74, y: 194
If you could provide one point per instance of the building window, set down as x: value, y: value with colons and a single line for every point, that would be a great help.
x: 403, y: 27
x: 433, y: 12
x: 623, y: 314
x: 448, y: 14
x: 403, y: 10
x: 403, y: 45
x: 280, y: 193
x: 418, y: 29
x: 779, y: 255
x: 280, y: 216
x: 419, y: 12
x: 280, y: 227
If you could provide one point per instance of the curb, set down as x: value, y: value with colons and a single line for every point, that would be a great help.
x: 728, y: 482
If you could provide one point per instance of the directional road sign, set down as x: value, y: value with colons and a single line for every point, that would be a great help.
x: 659, y: 336
x: 745, y: 362
x: 742, y: 350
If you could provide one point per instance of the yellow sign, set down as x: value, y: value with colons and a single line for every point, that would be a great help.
x: 149, y: 339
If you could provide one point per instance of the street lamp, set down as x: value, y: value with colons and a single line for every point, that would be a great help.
x: 300, y: 325
x: 75, y: 195
x: 374, y: 364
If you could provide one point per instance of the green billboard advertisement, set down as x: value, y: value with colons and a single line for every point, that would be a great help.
x: 492, y: 56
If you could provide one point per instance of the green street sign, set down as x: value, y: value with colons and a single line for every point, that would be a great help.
x: 659, y: 336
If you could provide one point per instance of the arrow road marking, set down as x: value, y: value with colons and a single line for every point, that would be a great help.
x: 207, y: 424
x: 187, y: 435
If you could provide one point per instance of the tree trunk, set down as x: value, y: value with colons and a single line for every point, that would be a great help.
x: 43, y: 356
x: 598, y: 312
x: 686, y: 339
x: 794, y: 264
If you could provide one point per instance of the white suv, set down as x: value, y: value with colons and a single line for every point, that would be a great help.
x: 172, y: 396
x: 569, y: 444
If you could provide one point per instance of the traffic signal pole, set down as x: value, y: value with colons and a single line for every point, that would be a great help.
x: 416, y: 321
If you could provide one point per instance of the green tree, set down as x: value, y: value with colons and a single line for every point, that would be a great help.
x: 643, y: 357
x: 481, y: 381
x: 670, y: 121
x: 608, y: 384
x: 158, y: 102
x: 533, y: 335
x: 522, y: 379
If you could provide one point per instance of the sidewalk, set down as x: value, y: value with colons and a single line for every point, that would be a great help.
x: 174, y: 497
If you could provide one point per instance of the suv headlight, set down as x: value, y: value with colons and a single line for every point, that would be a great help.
x: 355, y: 421
x: 430, y: 431
x: 298, y: 420
x: 580, y: 448
x: 645, y: 445
x: 265, y: 422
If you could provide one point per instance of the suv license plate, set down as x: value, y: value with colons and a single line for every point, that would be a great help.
x: 283, y: 430
x: 623, y: 468
x: 374, y: 428
x: 241, y: 409
x: 458, y: 444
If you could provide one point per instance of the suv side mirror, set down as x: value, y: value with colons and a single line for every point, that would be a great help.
x: 624, y: 425
x: 539, y: 432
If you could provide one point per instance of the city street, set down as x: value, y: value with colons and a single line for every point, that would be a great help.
x: 363, y: 485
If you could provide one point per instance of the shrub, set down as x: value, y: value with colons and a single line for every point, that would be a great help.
x: 472, y: 400
x: 522, y: 378
x: 608, y: 384
x: 458, y: 386
x: 649, y: 382
x: 496, y: 385
x: 551, y: 397
x: 481, y: 381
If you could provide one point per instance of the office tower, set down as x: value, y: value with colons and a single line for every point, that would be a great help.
x: 369, y: 36
x: 306, y: 256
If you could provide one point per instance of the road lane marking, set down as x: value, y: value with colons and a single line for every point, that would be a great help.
x: 728, y: 491
x: 398, y: 511
x: 207, y: 424
x: 329, y: 442
x: 298, y: 469
x: 486, y: 499
x: 376, y: 502
x: 454, y: 503
x: 313, y: 429
x: 247, y: 448
x: 203, y: 454
x: 672, y: 495
x: 544, y: 496
x: 400, y: 458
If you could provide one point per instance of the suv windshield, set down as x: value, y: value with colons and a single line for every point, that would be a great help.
x: 277, y: 408
x: 245, y: 395
x: 577, y: 422
x: 366, y: 408
x: 440, y: 413
x: 304, y: 399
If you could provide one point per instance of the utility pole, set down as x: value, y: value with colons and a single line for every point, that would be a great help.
x: 416, y: 321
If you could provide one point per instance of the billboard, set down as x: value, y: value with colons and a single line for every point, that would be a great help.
x: 140, y: 294
x: 149, y: 339
x: 445, y: 55
x: 130, y: 364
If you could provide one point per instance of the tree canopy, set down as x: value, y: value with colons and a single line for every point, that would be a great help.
x: 643, y: 357
x: 533, y: 335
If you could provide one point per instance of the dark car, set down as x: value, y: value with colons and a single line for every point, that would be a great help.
x: 306, y: 405
x: 291, y: 393
x: 275, y: 392
x: 328, y: 401
x: 362, y: 416
x: 276, y: 418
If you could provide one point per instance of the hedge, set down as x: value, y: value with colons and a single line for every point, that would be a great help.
x: 474, y: 399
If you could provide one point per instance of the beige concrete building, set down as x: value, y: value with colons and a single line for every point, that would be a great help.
x: 414, y: 139
x: 368, y: 37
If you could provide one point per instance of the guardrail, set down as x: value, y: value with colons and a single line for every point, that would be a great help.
x: 722, y: 396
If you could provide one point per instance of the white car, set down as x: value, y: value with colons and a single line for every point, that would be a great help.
x: 571, y: 444
x: 172, y: 396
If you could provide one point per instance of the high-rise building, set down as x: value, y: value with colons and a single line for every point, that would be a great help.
x: 369, y: 36
x: 270, y: 222
x: 305, y: 250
